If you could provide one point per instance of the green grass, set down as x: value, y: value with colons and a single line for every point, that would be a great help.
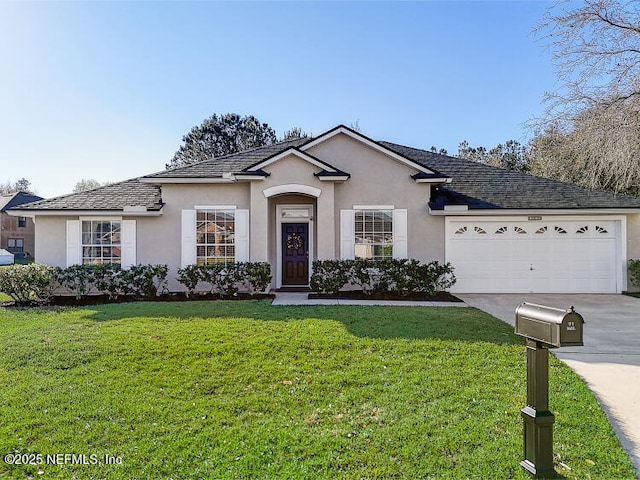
x: 247, y: 390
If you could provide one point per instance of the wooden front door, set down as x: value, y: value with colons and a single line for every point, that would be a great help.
x: 295, y: 254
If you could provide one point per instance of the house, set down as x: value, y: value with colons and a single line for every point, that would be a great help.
x: 342, y: 195
x: 17, y: 233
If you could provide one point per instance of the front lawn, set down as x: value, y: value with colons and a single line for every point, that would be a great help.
x: 247, y: 390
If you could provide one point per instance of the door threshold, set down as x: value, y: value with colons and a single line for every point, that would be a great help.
x: 293, y: 289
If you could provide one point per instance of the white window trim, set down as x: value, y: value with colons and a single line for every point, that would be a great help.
x: 128, y: 245
x: 215, y: 207
x: 374, y: 207
x: 400, y: 230
x: 188, y: 234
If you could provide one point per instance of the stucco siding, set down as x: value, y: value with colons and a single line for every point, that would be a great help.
x: 377, y: 179
x: 633, y: 243
x: 50, y: 242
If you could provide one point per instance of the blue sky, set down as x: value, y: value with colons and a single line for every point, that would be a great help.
x: 107, y: 90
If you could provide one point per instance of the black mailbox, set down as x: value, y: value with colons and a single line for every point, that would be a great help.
x: 554, y: 327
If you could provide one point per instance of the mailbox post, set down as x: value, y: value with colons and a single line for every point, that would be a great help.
x: 544, y: 328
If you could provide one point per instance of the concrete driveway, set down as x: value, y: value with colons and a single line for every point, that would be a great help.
x: 609, y: 362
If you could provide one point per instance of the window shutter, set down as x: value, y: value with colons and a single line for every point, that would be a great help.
x: 128, y: 243
x: 400, y: 247
x: 242, y: 235
x: 188, y: 237
x: 347, y: 234
x: 74, y: 247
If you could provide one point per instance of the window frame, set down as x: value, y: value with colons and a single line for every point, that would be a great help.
x: 15, y: 248
x: 375, y: 249
x: 229, y: 248
x: 101, y: 259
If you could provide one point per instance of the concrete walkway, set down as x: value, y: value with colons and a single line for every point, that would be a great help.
x: 609, y: 362
x: 301, y: 298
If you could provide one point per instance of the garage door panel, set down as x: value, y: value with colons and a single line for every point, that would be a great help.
x: 545, y: 257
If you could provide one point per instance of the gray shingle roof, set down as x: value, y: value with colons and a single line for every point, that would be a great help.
x: 476, y: 185
x: 116, y: 196
x: 482, y: 186
x: 15, y: 199
x: 232, y: 163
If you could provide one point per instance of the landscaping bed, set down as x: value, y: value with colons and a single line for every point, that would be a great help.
x: 88, y: 300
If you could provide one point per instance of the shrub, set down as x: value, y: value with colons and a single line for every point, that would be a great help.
x: 634, y: 272
x: 112, y: 280
x: 144, y: 280
x: 78, y: 279
x: 189, y: 276
x: 226, y: 279
x: 27, y: 283
x: 329, y: 276
x: 258, y: 276
x: 399, y: 276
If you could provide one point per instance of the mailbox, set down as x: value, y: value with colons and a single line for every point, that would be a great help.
x: 555, y: 327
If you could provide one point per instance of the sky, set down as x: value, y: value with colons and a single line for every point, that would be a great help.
x: 106, y: 90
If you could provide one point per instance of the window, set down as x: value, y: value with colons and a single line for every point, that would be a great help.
x: 15, y: 245
x: 22, y: 222
x: 215, y: 236
x: 101, y: 242
x: 374, y: 234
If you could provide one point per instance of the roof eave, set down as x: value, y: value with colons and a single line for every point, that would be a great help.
x: 167, y: 180
x: 532, y: 211
x: 436, y: 180
x: 87, y: 212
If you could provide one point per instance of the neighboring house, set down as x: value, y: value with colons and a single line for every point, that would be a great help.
x: 342, y: 195
x: 17, y: 233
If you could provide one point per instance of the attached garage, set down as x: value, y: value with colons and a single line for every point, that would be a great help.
x: 523, y: 255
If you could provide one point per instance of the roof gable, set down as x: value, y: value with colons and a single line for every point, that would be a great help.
x: 377, y: 146
x: 15, y: 199
x: 326, y: 169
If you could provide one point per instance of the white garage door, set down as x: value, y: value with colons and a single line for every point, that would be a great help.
x: 533, y: 256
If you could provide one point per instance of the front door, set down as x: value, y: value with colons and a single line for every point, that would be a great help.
x: 295, y: 254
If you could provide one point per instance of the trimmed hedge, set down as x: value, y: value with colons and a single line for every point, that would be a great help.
x: 141, y: 281
x: 226, y: 279
x: 634, y: 272
x: 400, y: 276
x: 27, y: 284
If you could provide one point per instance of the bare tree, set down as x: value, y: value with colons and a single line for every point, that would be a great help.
x: 590, y: 134
x: 9, y: 188
x: 595, y: 47
x: 600, y: 149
